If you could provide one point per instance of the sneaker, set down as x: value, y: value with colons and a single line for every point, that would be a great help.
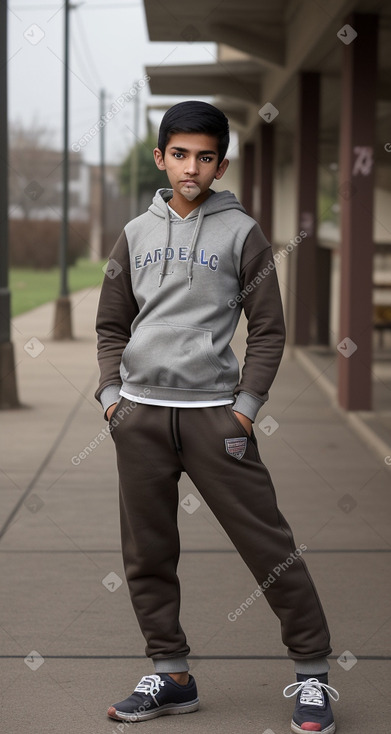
x: 156, y: 695
x: 313, y: 712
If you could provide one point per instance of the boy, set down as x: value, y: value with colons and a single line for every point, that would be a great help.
x: 171, y: 391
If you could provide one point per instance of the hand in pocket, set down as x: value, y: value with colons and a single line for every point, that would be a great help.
x: 110, y: 410
x: 246, y: 423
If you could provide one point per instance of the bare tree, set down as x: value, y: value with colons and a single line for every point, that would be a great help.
x: 34, y: 171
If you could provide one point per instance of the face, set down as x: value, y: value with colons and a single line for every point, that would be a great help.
x: 191, y: 163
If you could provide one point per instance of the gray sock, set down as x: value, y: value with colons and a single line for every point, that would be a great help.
x: 316, y: 666
x: 171, y: 665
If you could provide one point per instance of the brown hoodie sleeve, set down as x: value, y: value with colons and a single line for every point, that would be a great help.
x: 116, y: 310
x: 261, y: 300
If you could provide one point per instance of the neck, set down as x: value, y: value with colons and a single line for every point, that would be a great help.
x: 183, y: 207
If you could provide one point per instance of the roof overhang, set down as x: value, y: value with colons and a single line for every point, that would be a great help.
x: 257, y: 28
x: 277, y: 39
x: 240, y: 80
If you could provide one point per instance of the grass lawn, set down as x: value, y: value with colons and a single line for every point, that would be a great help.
x: 31, y: 288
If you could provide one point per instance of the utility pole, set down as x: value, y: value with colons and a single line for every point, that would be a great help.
x: 62, y: 320
x: 102, y: 179
x: 8, y: 390
x: 134, y: 162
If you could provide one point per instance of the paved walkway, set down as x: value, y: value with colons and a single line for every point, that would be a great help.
x: 373, y: 426
x: 63, y: 595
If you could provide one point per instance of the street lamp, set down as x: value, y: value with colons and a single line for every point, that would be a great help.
x: 62, y: 319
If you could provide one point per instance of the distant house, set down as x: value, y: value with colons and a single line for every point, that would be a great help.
x: 35, y: 190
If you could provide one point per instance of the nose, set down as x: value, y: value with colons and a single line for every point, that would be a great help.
x: 191, y: 165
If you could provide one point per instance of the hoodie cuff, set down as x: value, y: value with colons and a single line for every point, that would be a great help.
x: 109, y: 396
x: 249, y: 405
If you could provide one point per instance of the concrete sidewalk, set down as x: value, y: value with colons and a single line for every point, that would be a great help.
x: 374, y: 427
x: 62, y: 578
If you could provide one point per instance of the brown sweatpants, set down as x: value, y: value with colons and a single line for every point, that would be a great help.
x: 154, y: 445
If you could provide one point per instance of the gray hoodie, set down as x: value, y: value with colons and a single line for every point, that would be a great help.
x: 170, y: 302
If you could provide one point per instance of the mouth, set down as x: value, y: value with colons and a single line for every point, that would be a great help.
x: 189, y: 182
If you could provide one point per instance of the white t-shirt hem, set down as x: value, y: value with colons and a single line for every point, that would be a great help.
x: 177, y: 403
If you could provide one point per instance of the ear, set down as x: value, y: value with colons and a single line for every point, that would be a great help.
x: 222, y: 168
x: 159, y: 160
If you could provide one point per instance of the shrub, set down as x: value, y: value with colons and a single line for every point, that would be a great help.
x: 36, y: 243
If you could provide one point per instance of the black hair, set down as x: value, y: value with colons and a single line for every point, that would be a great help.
x: 195, y: 117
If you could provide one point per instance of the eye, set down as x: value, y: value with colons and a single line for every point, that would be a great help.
x: 206, y: 159
x: 177, y: 155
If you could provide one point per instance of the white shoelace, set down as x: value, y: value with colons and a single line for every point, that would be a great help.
x: 151, y: 685
x: 311, y: 691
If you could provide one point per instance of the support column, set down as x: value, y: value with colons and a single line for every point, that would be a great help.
x: 307, y: 189
x: 8, y: 386
x: 359, y: 76
x: 248, y: 170
x: 323, y: 289
x: 266, y: 133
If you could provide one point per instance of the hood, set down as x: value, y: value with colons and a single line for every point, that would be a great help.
x: 218, y: 201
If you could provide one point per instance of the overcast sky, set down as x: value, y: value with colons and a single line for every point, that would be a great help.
x: 109, y: 49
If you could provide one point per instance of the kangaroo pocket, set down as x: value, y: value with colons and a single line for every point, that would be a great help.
x: 168, y: 355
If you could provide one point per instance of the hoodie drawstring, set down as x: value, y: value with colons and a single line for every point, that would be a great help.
x: 164, y: 264
x: 190, y: 259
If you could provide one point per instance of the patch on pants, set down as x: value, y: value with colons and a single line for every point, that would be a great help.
x: 236, y: 447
